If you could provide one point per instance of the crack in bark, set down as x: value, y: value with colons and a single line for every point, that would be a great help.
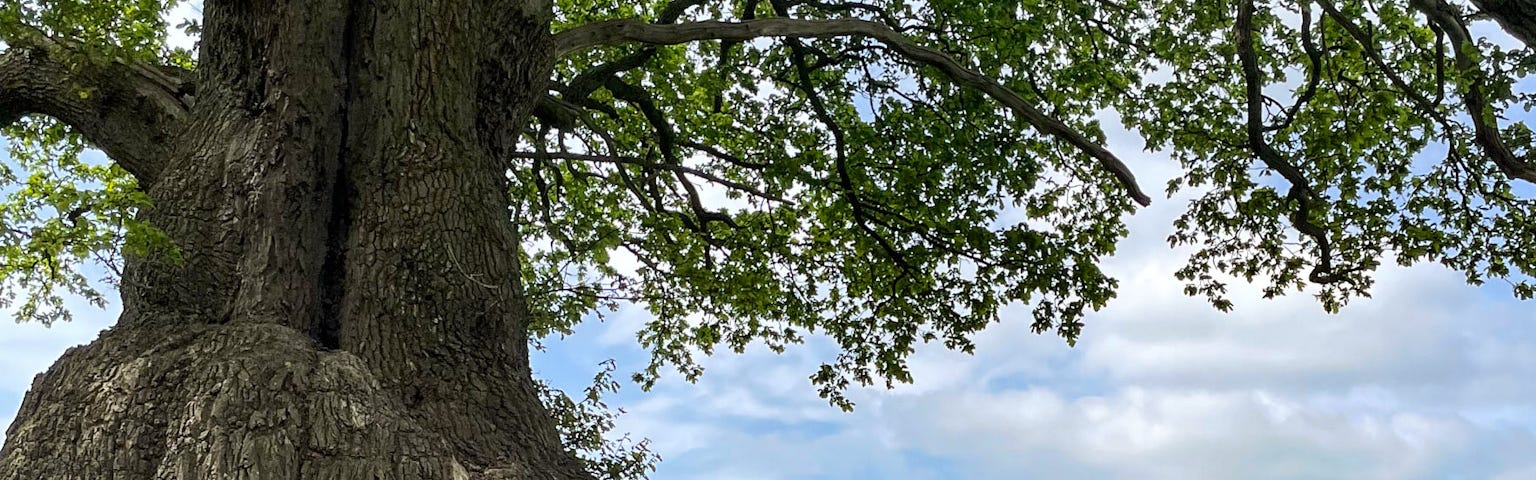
x: 326, y: 327
x: 333, y: 187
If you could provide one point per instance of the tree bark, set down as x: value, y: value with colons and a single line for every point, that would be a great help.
x: 348, y: 304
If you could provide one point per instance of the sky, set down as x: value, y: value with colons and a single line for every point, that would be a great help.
x: 1429, y: 379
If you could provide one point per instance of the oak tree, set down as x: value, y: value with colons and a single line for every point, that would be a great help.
x: 337, y: 225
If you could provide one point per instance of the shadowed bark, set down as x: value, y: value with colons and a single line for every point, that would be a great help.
x: 1518, y: 17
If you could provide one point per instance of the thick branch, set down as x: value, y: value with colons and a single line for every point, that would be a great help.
x: 589, y: 81
x: 128, y: 110
x: 635, y: 31
x: 1484, y: 118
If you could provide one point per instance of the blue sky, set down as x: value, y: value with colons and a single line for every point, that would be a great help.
x: 1430, y: 379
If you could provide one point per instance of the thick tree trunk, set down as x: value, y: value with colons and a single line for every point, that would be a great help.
x: 348, y: 306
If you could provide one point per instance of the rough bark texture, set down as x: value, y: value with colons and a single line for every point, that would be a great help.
x: 349, y: 305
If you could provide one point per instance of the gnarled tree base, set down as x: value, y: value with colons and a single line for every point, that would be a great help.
x: 254, y: 401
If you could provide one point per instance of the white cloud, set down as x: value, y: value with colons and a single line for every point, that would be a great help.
x: 619, y: 327
x: 1157, y: 335
x: 1179, y: 434
x: 1429, y: 379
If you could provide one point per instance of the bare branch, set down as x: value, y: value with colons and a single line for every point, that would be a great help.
x: 127, y: 109
x: 635, y: 31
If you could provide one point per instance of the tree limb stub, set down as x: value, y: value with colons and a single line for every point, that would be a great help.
x: 129, y: 110
x: 636, y: 31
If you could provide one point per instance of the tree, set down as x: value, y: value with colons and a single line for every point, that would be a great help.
x: 341, y: 223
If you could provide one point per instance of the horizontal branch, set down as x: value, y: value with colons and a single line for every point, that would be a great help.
x: 128, y: 110
x: 636, y: 31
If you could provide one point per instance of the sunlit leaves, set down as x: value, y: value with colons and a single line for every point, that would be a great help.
x: 585, y: 425
x: 105, y: 29
x: 876, y: 216
x: 1402, y: 180
x: 64, y: 213
x: 889, y: 169
x: 60, y: 213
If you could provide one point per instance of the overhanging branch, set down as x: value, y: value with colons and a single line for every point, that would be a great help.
x: 1474, y: 98
x: 1302, y: 193
x: 129, y: 110
x: 1518, y: 17
x: 636, y: 31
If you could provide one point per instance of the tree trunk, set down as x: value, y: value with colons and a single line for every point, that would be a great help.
x: 348, y: 304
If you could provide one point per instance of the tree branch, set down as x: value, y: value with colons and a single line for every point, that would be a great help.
x: 1301, y: 191
x: 724, y: 182
x: 127, y: 109
x: 1368, y: 47
x: 1484, y: 118
x: 1518, y: 17
x: 635, y: 31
